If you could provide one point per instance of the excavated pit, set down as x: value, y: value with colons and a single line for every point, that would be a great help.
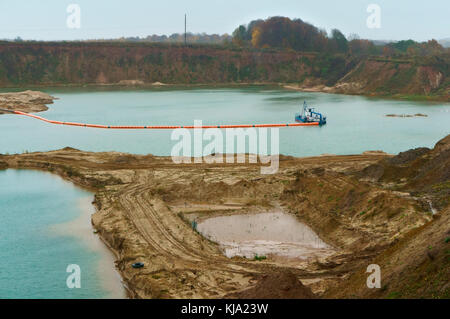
x: 264, y: 235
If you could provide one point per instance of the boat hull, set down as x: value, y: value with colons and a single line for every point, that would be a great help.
x: 304, y: 120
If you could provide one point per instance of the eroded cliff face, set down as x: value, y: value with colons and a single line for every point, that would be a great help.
x: 390, y: 77
x: 81, y: 63
x: 87, y: 63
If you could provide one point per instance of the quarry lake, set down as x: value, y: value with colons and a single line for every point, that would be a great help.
x: 44, y: 228
x: 39, y: 212
x: 355, y: 124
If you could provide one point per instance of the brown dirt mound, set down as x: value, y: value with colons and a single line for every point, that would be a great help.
x: 443, y: 145
x: 418, y: 171
x: 279, y: 285
x: 26, y: 101
x: 372, y: 172
x: 408, y: 156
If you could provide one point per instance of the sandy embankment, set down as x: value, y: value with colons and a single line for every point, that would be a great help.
x: 144, y: 204
x: 308, y: 88
x: 26, y: 101
x: 81, y: 228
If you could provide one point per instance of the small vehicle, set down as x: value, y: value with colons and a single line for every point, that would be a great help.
x: 138, y: 265
x: 308, y: 115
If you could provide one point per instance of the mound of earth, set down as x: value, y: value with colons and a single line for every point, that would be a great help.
x: 419, y: 171
x: 277, y: 285
x: 417, y: 266
x: 408, y: 156
x: 26, y: 101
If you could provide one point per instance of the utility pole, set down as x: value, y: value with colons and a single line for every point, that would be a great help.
x: 185, y: 30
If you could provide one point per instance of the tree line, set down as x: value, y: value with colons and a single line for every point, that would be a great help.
x: 193, y: 38
x: 297, y: 35
x: 283, y: 33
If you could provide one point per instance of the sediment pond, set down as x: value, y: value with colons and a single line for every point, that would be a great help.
x: 262, y: 235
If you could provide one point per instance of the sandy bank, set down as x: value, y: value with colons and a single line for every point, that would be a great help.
x: 26, y: 101
x: 361, y: 205
x: 354, y: 89
x: 81, y: 228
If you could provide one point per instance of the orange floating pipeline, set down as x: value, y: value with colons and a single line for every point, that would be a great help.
x: 156, y: 127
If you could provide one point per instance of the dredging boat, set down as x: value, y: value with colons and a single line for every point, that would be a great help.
x: 308, y: 115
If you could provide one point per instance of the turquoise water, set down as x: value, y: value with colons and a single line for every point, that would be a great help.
x: 33, y: 257
x: 355, y: 124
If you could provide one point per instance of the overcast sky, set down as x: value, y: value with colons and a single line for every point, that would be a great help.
x: 46, y: 19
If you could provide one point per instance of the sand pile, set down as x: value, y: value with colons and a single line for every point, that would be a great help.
x: 277, y: 285
x: 26, y: 101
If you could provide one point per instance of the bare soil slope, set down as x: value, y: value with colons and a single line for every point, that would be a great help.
x: 143, y: 204
x: 26, y: 101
